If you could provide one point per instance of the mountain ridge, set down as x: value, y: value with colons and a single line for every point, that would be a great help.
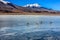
x: 8, y: 7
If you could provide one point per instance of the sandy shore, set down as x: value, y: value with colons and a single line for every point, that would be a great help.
x: 49, y: 14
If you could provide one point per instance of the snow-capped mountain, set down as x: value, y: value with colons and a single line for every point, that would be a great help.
x: 38, y: 8
x: 8, y: 7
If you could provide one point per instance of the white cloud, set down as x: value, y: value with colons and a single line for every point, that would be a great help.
x: 35, y: 4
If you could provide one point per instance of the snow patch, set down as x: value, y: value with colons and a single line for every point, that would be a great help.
x: 5, y: 2
x: 31, y: 5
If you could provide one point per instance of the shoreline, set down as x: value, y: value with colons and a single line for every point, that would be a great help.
x: 47, y: 14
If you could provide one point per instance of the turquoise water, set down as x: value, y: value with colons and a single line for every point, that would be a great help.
x: 26, y: 23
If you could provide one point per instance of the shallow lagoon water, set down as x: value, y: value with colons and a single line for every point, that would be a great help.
x: 28, y: 23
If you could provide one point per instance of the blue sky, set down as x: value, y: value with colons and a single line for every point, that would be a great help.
x: 54, y: 4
